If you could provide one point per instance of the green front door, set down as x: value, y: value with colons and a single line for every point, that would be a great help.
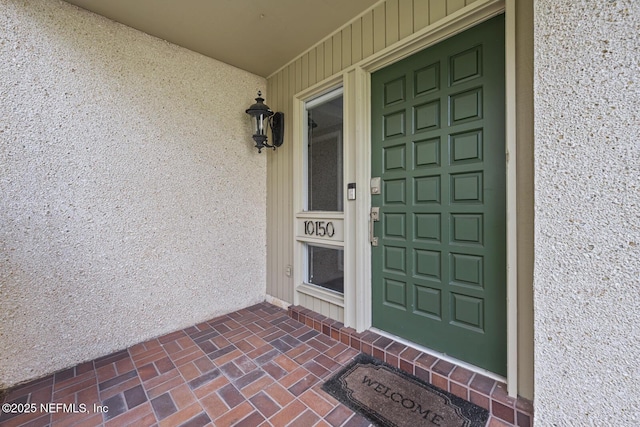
x: 438, y: 145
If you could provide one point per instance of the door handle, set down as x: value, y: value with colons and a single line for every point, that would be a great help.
x: 373, y: 217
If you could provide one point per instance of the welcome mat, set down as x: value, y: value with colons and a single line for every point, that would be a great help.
x: 388, y: 396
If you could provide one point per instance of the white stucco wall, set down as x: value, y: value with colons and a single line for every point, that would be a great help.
x: 587, y: 212
x: 132, y: 201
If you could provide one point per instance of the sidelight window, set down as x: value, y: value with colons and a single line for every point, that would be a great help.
x: 323, y: 186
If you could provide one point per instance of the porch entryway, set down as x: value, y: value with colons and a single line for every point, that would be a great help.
x: 260, y: 366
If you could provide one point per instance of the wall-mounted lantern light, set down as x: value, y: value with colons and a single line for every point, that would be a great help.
x: 262, y: 117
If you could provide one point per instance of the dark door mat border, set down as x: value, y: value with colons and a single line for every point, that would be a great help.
x: 379, y: 391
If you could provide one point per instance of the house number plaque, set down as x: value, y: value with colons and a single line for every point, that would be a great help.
x: 327, y: 228
x: 319, y: 228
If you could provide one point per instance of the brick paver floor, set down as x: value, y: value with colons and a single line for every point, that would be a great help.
x: 253, y: 367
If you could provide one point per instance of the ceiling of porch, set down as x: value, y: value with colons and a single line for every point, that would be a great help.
x: 259, y: 36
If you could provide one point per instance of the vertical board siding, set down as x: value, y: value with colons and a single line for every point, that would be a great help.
x: 454, y: 5
x: 328, y: 58
x: 346, y: 47
x: 272, y: 209
x: 280, y: 96
x: 437, y: 10
x: 298, y: 70
x: 288, y: 184
x: 367, y: 35
x: 405, y: 18
x: 420, y: 14
x: 392, y: 22
x: 312, y: 70
x: 356, y: 41
x: 303, y: 71
x: 378, y: 28
x: 320, y: 62
x: 323, y: 307
x: 337, y: 53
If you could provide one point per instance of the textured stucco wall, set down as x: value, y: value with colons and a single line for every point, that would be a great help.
x: 587, y: 212
x: 132, y: 203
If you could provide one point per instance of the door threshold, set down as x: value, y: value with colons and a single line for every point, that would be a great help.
x: 441, y: 356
